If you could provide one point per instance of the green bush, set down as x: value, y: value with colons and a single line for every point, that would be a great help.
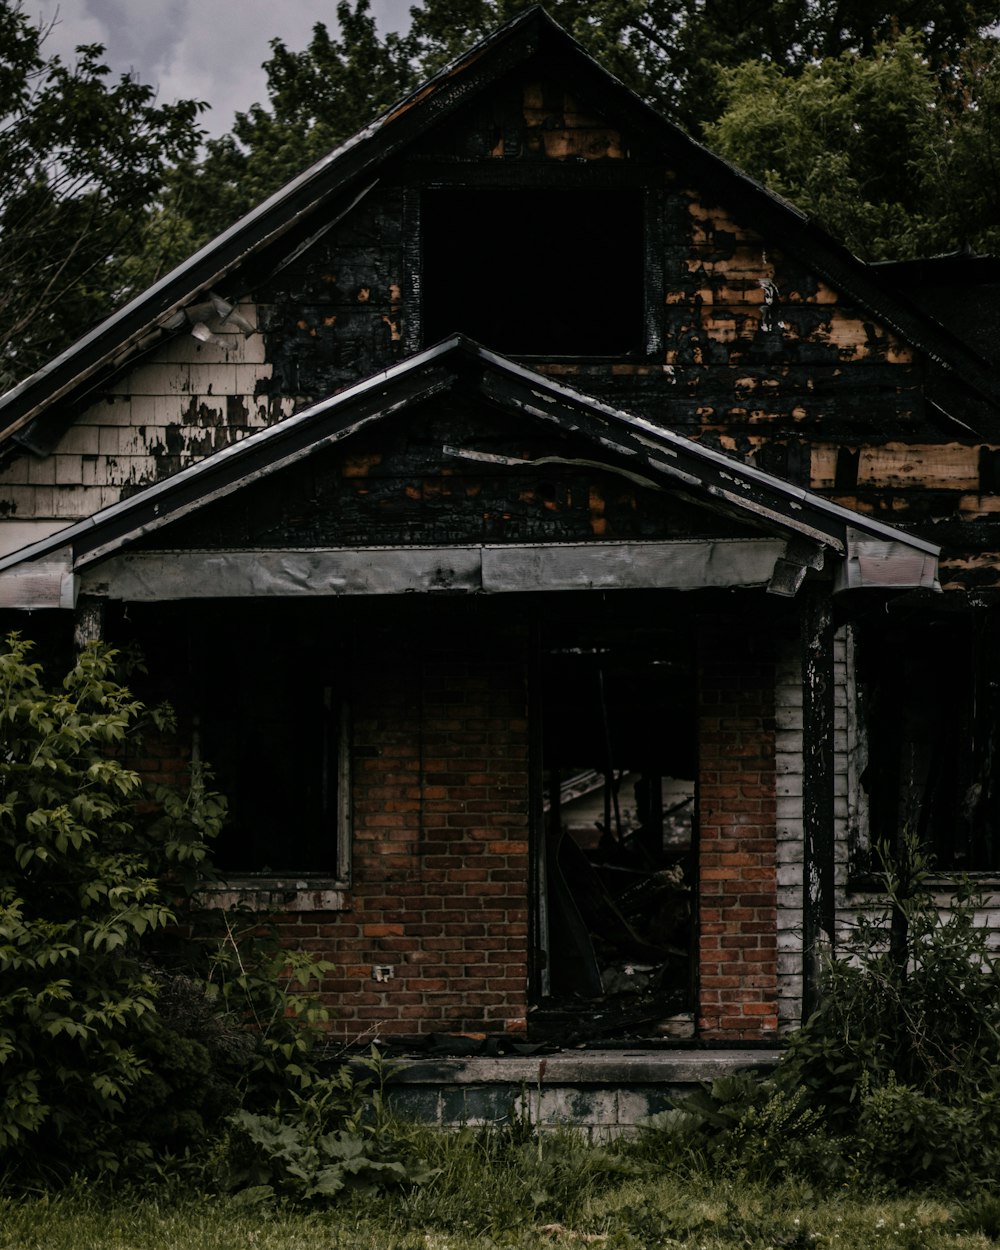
x: 914, y: 998
x: 903, y: 1053
x: 331, y: 1141
x: 893, y: 1081
x: 123, y: 1043
x: 747, y: 1127
x: 79, y: 893
x: 918, y: 1139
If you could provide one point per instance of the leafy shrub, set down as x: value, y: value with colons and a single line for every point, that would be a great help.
x: 895, y: 1079
x: 331, y: 1140
x: 79, y: 891
x: 745, y: 1126
x: 906, y: 1135
x: 915, y: 999
x: 266, y: 992
x: 904, y: 1050
x: 121, y: 1041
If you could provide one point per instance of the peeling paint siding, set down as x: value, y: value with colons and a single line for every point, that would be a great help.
x: 791, y: 868
x: 842, y: 762
x: 788, y: 751
x: 853, y: 822
x: 944, y: 466
x: 755, y: 339
x: 185, y: 401
x: 559, y: 130
x: 966, y: 571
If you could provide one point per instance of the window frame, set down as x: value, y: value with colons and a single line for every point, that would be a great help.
x: 290, y: 890
x: 866, y: 744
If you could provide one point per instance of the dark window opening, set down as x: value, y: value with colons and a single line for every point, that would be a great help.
x: 272, y: 729
x: 619, y: 762
x: 930, y: 693
x: 534, y: 272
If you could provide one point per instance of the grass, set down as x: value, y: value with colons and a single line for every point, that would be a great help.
x: 503, y: 1195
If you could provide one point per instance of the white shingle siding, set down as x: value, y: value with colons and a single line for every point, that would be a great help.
x: 184, y: 401
x: 788, y: 766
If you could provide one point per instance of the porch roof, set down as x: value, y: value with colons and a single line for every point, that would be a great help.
x: 871, y: 553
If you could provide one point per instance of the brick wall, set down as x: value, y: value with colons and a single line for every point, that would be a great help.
x: 440, y: 875
x: 738, y: 990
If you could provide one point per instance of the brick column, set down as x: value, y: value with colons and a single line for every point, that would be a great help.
x: 440, y: 891
x: 737, y: 947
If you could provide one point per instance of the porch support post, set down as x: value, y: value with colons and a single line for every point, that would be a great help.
x: 88, y: 621
x: 817, y: 786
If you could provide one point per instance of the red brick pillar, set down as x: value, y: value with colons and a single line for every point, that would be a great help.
x: 440, y: 891
x: 737, y: 945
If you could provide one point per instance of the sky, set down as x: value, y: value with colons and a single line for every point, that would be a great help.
x: 202, y: 49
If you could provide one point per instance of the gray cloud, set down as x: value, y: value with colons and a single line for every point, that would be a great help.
x: 210, y: 50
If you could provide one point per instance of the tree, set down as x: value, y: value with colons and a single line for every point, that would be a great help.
x: 671, y: 52
x: 874, y: 146
x: 317, y: 98
x: 82, y: 158
x: 807, y: 97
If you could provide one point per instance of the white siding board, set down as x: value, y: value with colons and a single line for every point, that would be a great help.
x: 41, y: 472
x: 788, y: 765
x: 68, y: 469
x: 203, y: 394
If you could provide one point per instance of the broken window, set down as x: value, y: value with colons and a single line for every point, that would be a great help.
x: 539, y: 272
x: 269, y: 718
x: 277, y: 750
x: 619, y: 754
x: 929, y: 691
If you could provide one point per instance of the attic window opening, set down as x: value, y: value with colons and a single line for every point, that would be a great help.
x: 534, y: 272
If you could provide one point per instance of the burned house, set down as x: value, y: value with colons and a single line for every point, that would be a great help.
x: 568, y: 557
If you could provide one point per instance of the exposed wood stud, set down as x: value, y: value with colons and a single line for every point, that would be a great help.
x: 88, y: 621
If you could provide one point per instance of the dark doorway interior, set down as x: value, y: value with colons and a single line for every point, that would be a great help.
x: 619, y: 763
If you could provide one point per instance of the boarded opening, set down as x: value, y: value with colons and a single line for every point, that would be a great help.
x: 534, y: 272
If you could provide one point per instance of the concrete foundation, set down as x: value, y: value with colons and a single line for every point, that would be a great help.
x: 604, y: 1093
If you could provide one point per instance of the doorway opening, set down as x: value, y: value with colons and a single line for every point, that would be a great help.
x: 616, y: 856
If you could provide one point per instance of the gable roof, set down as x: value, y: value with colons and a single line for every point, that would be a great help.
x: 631, y: 445
x: 345, y: 175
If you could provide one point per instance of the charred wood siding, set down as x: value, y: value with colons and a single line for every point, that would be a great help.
x: 409, y: 483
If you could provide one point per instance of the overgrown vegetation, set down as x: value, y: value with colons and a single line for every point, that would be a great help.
x: 653, y: 1211
x: 122, y: 1042
x: 895, y: 1081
